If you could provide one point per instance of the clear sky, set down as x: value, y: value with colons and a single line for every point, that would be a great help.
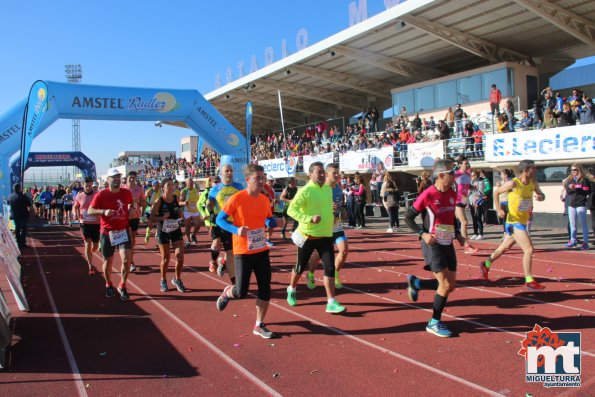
x: 160, y: 44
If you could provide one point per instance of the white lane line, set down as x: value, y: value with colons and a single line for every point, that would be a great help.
x: 202, y: 339
x: 429, y: 310
x: 459, y: 282
x: 513, y: 256
x: 372, y: 345
x: 253, y: 378
x: 78, y: 380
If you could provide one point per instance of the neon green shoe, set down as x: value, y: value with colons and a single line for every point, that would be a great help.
x: 147, y: 236
x: 334, y: 307
x: 310, y: 283
x: 291, y: 297
x: 338, y: 284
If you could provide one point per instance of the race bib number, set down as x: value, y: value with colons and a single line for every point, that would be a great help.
x: 298, y: 238
x: 170, y: 225
x: 87, y: 217
x: 525, y: 205
x: 445, y: 234
x: 256, y: 239
x: 117, y: 237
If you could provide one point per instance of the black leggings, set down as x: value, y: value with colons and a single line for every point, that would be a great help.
x: 360, y: 216
x: 393, y: 216
x: 477, y: 215
x: 287, y: 219
x: 326, y: 252
x: 260, y: 263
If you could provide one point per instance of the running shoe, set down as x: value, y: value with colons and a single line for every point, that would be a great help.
x: 390, y: 230
x: 480, y: 237
x: 484, y: 270
x: 187, y: 244
x: 123, y: 295
x: 584, y: 247
x: 163, y: 286
x: 132, y: 267
x: 262, y: 331
x: 534, y: 285
x: 223, y: 299
x: 110, y: 292
x: 470, y: 250
x: 270, y: 243
x: 310, y: 283
x: 411, y: 290
x: 179, y: 284
x: 147, y: 236
x: 570, y: 244
x: 193, y: 238
x: 334, y: 307
x: 474, y: 237
x: 212, y: 266
x: 291, y: 297
x: 220, y: 266
x: 438, y: 328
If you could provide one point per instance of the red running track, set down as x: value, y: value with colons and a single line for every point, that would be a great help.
x: 74, y: 341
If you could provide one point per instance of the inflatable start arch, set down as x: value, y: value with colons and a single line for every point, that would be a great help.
x: 50, y: 101
x: 53, y: 159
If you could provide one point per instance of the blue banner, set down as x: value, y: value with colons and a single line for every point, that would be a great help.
x: 34, y: 111
x: 201, y: 143
x: 53, y: 159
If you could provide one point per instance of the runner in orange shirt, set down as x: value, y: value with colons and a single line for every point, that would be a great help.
x: 251, y: 213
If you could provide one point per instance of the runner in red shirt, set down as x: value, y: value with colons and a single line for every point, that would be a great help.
x: 436, y: 237
x: 89, y: 223
x: 114, y: 204
x: 139, y: 202
x: 251, y: 213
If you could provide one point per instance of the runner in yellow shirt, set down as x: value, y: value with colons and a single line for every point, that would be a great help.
x: 189, y: 199
x: 520, y: 205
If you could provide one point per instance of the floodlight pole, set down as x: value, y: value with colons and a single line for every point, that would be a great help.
x: 282, y: 122
x: 74, y: 75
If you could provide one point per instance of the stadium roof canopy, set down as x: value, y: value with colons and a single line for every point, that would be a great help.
x: 415, y: 41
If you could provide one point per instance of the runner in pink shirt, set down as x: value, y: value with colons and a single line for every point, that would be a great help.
x: 89, y: 223
x: 463, y: 182
x: 139, y: 202
x: 436, y: 235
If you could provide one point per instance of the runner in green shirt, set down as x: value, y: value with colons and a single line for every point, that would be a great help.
x: 313, y: 208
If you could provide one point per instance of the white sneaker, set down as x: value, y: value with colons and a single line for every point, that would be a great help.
x: 389, y: 230
x: 474, y: 237
x: 480, y: 237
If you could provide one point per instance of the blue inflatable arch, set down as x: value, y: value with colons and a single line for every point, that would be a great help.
x: 53, y: 159
x: 89, y: 102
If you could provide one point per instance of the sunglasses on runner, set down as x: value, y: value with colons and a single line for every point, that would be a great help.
x: 451, y: 172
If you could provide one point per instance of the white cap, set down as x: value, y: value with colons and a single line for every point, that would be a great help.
x: 113, y: 172
x: 270, y: 177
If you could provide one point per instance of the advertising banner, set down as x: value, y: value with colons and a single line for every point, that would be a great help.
x: 555, y: 143
x: 325, y: 158
x: 423, y: 154
x: 34, y: 111
x: 279, y: 168
x: 368, y: 159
